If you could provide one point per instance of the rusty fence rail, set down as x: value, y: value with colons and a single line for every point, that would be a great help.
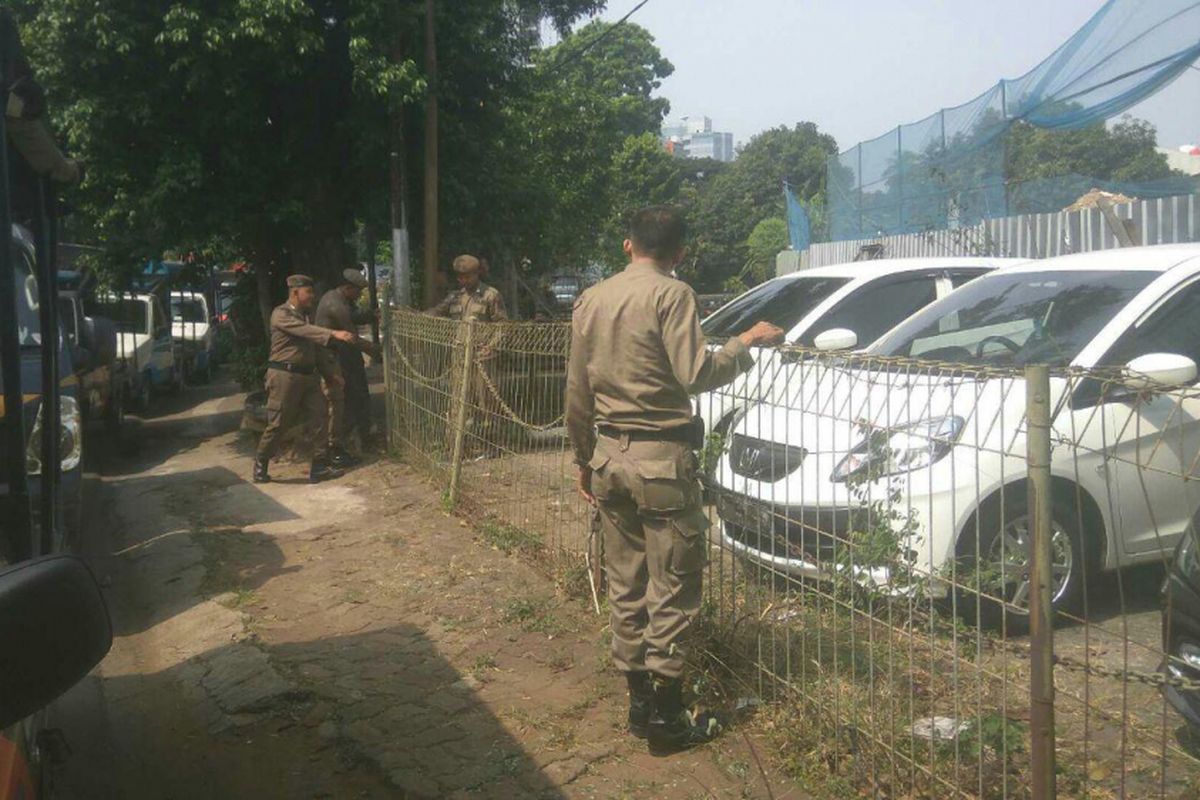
x: 884, y: 535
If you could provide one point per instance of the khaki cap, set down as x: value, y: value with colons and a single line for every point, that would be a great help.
x: 354, y: 278
x: 298, y: 281
x: 466, y: 263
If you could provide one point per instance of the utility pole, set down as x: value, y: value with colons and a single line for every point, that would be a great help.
x: 401, y: 289
x: 431, y: 160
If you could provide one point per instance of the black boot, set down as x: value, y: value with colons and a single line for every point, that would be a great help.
x: 260, y: 471
x: 672, y: 727
x: 322, y: 470
x: 641, y: 702
x: 340, y: 459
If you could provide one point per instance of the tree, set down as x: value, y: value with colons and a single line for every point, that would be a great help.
x: 584, y: 142
x: 259, y: 126
x: 726, y: 210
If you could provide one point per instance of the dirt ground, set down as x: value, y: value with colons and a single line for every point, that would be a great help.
x: 342, y: 640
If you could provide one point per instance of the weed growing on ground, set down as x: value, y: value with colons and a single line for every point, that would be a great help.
x: 241, y: 598
x: 535, y: 615
x: 510, y: 539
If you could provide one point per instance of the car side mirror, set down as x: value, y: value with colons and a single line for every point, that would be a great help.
x: 836, y: 339
x: 54, y: 628
x: 1155, y: 371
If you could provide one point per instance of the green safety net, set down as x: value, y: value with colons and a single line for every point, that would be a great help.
x: 948, y: 169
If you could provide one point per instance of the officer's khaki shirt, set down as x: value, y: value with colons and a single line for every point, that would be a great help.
x: 295, y: 340
x: 637, y: 353
x: 485, y: 304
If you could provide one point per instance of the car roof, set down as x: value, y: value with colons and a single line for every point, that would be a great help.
x: 880, y: 267
x: 1152, y: 258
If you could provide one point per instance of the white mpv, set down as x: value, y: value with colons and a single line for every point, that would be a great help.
x: 939, y: 453
x: 838, y: 307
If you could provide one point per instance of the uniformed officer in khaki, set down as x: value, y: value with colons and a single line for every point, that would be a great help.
x: 637, y: 353
x: 473, y: 299
x: 350, y: 401
x: 300, y: 357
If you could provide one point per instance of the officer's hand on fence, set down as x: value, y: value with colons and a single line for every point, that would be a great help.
x: 585, y: 485
x: 344, y: 336
x: 763, y: 334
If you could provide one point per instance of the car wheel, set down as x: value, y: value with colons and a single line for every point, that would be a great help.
x: 996, y: 587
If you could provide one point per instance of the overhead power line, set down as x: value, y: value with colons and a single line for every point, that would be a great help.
x: 578, y: 54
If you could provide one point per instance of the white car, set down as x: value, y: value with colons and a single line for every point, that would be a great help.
x: 194, y: 333
x: 838, y: 307
x: 832, y: 446
x: 144, y: 343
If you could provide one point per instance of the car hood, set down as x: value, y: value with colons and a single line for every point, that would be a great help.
x: 826, y: 407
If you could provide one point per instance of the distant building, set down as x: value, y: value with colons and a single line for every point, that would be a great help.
x: 694, y: 137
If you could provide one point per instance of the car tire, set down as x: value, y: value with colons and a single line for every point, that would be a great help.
x: 1073, y: 560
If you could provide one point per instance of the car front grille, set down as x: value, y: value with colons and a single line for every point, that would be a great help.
x: 761, y: 460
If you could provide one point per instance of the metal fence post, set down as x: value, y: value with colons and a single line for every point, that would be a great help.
x: 390, y: 406
x: 1041, y: 618
x: 460, y: 411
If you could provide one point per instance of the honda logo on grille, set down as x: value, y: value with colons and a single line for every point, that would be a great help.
x: 762, y: 460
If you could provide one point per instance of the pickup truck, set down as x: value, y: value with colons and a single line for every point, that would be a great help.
x: 93, y: 344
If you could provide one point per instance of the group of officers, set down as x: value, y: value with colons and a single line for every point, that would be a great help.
x: 637, y: 355
x: 315, y: 372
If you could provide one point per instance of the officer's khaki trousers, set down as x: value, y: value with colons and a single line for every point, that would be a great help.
x: 292, y: 399
x: 655, y: 548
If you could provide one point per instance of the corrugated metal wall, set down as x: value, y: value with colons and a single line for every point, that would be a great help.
x: 1161, y: 220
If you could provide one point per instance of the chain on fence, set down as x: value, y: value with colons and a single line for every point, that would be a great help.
x: 874, y: 522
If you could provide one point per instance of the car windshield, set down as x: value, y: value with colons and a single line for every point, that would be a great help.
x: 780, y: 302
x: 128, y: 314
x: 188, y: 309
x: 1008, y: 319
x: 29, y: 329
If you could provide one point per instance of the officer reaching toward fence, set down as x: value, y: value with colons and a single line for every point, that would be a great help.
x: 637, y: 353
x: 350, y: 402
x: 299, y: 358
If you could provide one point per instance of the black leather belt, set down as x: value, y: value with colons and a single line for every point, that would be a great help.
x: 295, y: 369
x: 681, y: 433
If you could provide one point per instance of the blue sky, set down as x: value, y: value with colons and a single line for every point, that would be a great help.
x: 860, y: 67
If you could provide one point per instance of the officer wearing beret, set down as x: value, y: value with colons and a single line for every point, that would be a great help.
x: 299, y: 358
x: 474, y: 299
x: 349, y: 404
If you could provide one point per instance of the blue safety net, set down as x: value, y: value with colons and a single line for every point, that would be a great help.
x: 799, y: 229
x: 949, y: 168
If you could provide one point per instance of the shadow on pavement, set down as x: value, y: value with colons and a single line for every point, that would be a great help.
x: 376, y: 714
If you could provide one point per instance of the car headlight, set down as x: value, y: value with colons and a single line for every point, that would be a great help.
x: 70, y: 442
x: 904, y: 449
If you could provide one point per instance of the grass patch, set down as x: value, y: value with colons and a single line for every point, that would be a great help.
x: 534, y: 615
x: 241, y: 598
x: 510, y: 539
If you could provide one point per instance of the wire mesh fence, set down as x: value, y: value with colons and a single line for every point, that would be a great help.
x: 885, y: 533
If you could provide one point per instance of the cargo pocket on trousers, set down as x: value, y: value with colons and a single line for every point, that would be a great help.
x: 599, y: 487
x: 663, y: 491
x: 689, y: 545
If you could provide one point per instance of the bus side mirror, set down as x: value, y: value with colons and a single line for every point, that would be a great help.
x: 54, y: 628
